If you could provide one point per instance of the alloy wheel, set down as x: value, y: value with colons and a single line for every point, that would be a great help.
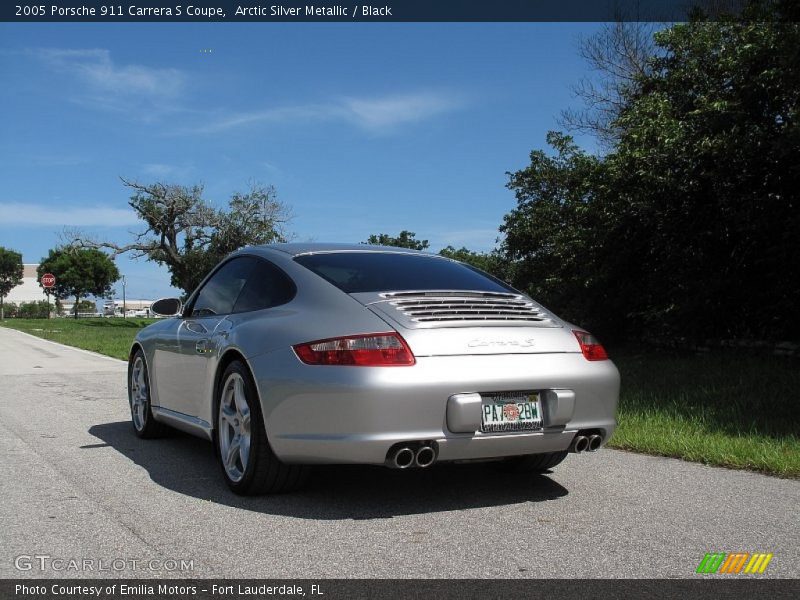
x: 139, y: 393
x: 234, y: 427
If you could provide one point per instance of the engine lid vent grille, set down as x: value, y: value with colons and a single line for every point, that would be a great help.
x: 455, y: 307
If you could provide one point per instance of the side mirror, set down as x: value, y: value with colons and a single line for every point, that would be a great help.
x: 167, y: 307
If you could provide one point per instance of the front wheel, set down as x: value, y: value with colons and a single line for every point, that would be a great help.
x: 144, y: 424
x: 531, y: 463
x: 248, y: 463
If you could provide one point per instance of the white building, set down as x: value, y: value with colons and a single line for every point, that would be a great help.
x: 136, y: 308
x: 29, y: 290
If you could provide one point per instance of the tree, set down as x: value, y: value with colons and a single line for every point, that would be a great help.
x: 85, y: 306
x: 710, y: 177
x: 39, y: 309
x: 79, y: 272
x: 491, y: 262
x: 189, y: 236
x: 683, y: 229
x: 619, y: 57
x: 406, y: 239
x: 11, y: 270
x: 557, y: 239
x: 11, y: 310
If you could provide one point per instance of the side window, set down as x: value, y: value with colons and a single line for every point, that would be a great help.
x: 220, y: 292
x: 266, y: 286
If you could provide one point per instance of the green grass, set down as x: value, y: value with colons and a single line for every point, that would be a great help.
x: 727, y: 409
x: 112, y: 337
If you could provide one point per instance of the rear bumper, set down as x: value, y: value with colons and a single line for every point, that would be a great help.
x: 369, y: 450
x: 355, y: 415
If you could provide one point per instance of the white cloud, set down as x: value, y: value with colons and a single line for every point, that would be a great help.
x: 23, y: 214
x: 158, y: 169
x: 101, y: 74
x: 173, y: 172
x: 270, y: 115
x: 271, y: 167
x: 97, y: 81
x: 153, y: 92
x: 376, y: 115
x: 389, y: 112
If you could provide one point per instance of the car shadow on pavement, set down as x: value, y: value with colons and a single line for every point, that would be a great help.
x: 187, y: 465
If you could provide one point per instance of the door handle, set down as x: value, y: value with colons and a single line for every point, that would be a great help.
x: 202, y: 346
x: 196, y: 327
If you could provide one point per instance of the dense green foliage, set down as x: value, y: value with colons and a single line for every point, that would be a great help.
x: 79, y: 272
x: 86, y: 306
x: 10, y: 273
x: 39, y: 309
x: 405, y: 239
x: 686, y: 228
x: 491, y: 262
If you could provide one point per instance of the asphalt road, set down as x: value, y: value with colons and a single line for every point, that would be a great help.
x: 77, y: 483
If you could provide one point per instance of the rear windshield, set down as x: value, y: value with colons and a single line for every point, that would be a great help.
x: 354, y: 272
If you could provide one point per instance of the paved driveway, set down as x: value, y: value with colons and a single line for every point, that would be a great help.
x: 76, y: 483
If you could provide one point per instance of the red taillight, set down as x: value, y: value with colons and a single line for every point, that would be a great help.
x: 367, y: 350
x: 591, y: 348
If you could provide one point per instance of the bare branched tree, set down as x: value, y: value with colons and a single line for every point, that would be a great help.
x: 185, y: 233
x: 619, y: 57
x: 255, y: 217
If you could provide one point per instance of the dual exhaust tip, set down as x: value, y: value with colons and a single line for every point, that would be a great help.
x: 405, y: 456
x: 423, y: 455
x: 586, y: 443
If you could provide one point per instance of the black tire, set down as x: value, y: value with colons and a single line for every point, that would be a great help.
x: 264, y: 473
x: 144, y: 424
x: 531, y: 463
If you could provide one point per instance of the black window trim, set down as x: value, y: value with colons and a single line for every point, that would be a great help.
x: 494, y: 279
x: 187, y: 310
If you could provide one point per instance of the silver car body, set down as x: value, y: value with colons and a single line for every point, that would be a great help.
x: 344, y: 414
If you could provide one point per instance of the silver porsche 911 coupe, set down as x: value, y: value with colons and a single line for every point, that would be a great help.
x: 289, y: 355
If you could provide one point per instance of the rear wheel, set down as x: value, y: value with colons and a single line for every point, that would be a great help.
x: 248, y: 463
x: 144, y: 424
x: 531, y: 463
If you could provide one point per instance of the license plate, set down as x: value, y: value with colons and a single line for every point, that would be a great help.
x: 511, y: 411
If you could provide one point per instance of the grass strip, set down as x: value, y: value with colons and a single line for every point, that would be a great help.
x: 112, y: 336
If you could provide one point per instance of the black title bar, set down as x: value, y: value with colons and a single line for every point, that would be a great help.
x: 398, y: 589
x: 361, y: 10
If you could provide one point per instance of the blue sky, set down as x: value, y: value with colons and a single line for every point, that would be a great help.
x: 363, y: 128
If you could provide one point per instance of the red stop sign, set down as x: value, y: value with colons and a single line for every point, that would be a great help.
x: 48, y: 280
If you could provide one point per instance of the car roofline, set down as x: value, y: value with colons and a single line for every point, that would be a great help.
x: 295, y: 250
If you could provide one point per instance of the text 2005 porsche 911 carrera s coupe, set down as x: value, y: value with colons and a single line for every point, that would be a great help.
x: 289, y: 355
